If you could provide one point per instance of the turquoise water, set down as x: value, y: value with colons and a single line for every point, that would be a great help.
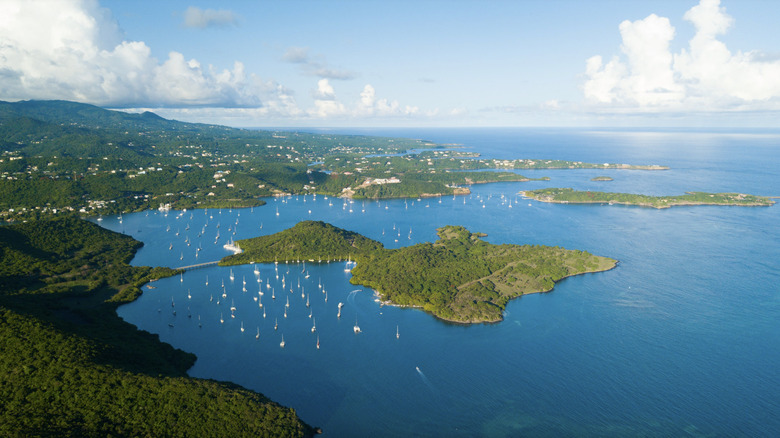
x: 682, y: 339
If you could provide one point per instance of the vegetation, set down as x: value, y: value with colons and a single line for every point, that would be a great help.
x: 71, y: 367
x: 60, y: 156
x: 601, y: 178
x: 307, y: 240
x: 568, y: 195
x: 459, y: 278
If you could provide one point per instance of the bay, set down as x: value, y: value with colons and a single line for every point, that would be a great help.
x: 680, y: 339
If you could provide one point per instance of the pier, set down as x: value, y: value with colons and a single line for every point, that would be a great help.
x: 198, y: 266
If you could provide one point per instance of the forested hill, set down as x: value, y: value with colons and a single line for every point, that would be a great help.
x: 62, y: 112
x: 459, y: 278
x: 70, y: 367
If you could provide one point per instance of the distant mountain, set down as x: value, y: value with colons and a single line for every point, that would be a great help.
x: 82, y: 114
x: 62, y: 128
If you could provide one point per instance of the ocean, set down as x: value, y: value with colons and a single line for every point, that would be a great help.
x: 681, y: 339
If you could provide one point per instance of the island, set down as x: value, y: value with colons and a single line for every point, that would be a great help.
x: 602, y: 178
x: 70, y: 366
x: 459, y: 278
x: 571, y: 196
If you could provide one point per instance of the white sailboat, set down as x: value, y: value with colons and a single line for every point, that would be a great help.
x: 242, y: 326
x: 318, y: 342
x: 397, y: 335
x: 257, y: 336
x: 281, y: 344
x: 356, y: 328
x: 313, y: 325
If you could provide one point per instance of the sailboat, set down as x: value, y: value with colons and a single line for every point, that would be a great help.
x: 242, y: 326
x: 257, y: 336
x: 276, y: 324
x: 314, y: 325
x: 318, y: 342
x: 221, y: 319
x: 281, y: 344
x: 340, y: 306
x: 232, y: 277
x: 356, y: 328
x: 397, y: 335
x: 257, y: 271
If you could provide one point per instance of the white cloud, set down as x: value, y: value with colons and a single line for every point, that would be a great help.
x: 78, y: 53
x: 705, y: 76
x: 315, y: 65
x: 202, y: 18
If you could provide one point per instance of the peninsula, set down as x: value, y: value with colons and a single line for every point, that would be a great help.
x: 571, y: 196
x: 459, y: 278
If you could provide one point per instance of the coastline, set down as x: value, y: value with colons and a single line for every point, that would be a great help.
x: 663, y: 202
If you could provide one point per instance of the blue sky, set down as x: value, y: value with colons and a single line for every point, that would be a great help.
x: 402, y: 63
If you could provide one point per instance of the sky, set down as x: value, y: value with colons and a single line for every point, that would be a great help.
x: 404, y: 63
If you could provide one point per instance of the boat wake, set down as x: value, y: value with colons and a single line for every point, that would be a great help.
x: 425, y: 380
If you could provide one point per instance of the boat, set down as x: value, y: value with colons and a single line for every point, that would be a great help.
x: 232, y: 277
x: 281, y: 344
x: 242, y: 326
x: 356, y: 328
x: 276, y: 324
x: 257, y: 336
x: 397, y: 335
x: 314, y: 326
x: 221, y: 319
x: 318, y: 342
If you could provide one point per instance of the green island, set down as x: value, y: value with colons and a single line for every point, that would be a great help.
x: 70, y: 367
x: 602, y: 178
x: 60, y: 156
x: 459, y: 278
x: 571, y: 196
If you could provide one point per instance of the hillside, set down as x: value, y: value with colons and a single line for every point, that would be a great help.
x: 71, y: 367
x: 458, y: 278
